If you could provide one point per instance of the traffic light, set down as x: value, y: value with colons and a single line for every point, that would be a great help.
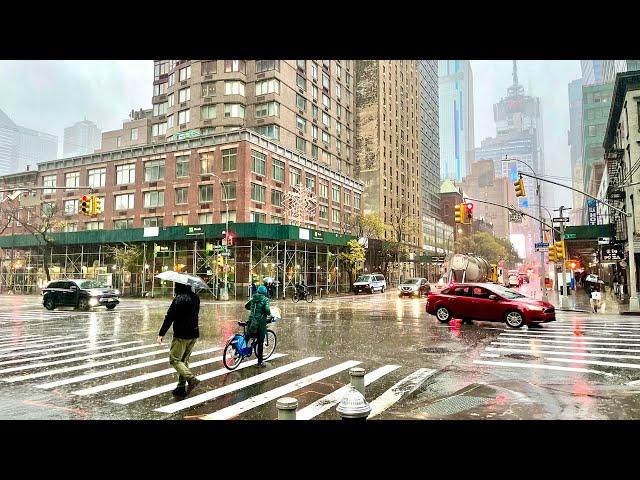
x: 208, y: 249
x: 96, y: 206
x: 560, y: 254
x: 468, y: 208
x: 85, y: 205
x: 220, y: 261
x: 552, y: 254
x: 459, y: 215
x: 520, y: 188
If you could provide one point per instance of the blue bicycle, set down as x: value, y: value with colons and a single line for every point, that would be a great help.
x: 237, y: 348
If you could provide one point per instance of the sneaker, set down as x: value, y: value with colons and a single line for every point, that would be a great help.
x: 179, y: 391
x: 261, y: 365
x: 193, y: 383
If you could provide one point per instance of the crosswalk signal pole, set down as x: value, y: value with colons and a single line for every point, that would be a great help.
x: 564, y: 298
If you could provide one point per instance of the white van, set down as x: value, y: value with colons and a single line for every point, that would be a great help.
x: 370, y: 283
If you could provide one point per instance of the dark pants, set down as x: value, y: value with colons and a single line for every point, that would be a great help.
x: 260, y: 347
x: 179, y: 358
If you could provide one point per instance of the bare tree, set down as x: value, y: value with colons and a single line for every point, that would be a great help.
x: 403, y: 224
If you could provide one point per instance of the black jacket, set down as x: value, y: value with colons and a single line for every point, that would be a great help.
x: 183, y: 313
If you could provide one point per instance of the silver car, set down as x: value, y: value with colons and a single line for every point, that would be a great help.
x: 370, y: 283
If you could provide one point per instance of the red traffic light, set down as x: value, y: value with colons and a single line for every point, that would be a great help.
x: 470, y: 206
x: 84, y: 198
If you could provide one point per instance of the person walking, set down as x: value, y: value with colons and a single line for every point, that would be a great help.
x: 183, y: 314
x: 259, y: 307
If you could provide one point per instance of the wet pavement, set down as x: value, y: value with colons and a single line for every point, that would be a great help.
x: 106, y: 365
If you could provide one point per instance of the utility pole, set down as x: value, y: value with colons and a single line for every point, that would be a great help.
x: 564, y: 298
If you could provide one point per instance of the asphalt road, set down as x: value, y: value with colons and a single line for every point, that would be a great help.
x: 106, y: 365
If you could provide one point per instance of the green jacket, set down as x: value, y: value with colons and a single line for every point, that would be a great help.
x: 259, y: 307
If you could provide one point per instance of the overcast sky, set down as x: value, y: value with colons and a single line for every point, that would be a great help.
x: 52, y: 95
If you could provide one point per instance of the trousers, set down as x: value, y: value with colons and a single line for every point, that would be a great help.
x: 179, y: 354
x: 260, y: 347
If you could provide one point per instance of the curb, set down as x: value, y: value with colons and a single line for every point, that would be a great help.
x: 572, y: 310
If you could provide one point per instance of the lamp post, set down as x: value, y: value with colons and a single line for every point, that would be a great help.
x: 541, y: 273
x: 224, y: 293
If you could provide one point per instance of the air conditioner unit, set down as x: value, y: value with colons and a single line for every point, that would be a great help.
x: 161, y: 117
x: 260, y: 120
x: 183, y: 104
x: 207, y: 122
x: 260, y: 75
x: 184, y: 125
x: 208, y: 77
x: 326, y: 109
x: 300, y: 90
x: 183, y: 82
x: 301, y: 111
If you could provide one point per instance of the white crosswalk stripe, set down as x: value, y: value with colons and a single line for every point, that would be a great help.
x: 395, y: 393
x: 70, y: 352
x: 59, y: 341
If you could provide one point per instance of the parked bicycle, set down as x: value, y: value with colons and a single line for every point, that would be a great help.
x: 238, y: 349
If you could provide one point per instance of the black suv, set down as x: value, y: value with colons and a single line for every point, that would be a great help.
x: 82, y: 294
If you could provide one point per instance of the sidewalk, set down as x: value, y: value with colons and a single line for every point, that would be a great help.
x: 579, y: 302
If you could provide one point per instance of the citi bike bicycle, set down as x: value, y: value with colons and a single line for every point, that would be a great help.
x: 238, y: 349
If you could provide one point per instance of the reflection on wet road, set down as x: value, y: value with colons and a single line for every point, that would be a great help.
x: 106, y: 365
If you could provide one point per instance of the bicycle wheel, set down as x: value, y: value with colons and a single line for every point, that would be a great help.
x: 295, y: 298
x: 230, y: 357
x: 309, y: 298
x: 269, y: 345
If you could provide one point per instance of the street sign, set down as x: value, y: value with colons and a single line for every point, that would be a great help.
x: 569, y: 236
x: 542, y: 247
x: 515, y: 217
x: 560, y: 219
x: 612, y: 253
x: 593, y: 211
x: 226, y: 254
x: 604, y: 240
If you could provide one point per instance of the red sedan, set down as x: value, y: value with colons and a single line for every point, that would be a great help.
x: 489, y: 302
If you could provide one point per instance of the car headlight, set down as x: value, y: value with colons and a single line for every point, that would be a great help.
x: 116, y: 292
x: 93, y: 301
x: 536, y: 308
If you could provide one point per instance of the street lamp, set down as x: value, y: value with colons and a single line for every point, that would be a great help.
x: 543, y: 287
x: 224, y: 293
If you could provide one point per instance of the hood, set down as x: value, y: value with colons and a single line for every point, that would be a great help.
x: 257, y: 297
x: 100, y: 291
x: 533, y: 301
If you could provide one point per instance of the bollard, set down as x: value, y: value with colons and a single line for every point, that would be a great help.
x: 353, y: 406
x: 357, y: 379
x: 287, y: 408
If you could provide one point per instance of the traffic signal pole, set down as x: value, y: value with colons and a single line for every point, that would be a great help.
x: 564, y: 296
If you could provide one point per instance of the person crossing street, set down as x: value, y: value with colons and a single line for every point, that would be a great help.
x: 260, y: 308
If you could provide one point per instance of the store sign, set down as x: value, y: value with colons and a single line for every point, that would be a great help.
x: 195, y: 231
x: 593, y: 211
x: 151, y: 232
x: 612, y: 253
x: 303, y: 234
x: 187, y: 134
x: 317, y: 235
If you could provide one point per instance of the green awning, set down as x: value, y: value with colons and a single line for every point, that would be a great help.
x: 588, y: 232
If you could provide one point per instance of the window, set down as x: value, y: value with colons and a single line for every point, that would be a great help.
x: 323, y: 211
x: 125, y: 174
x: 311, y: 182
x: 158, y: 129
x: 347, y: 198
x: 258, y: 217
x: 160, y: 88
x: 160, y: 108
x: 338, y: 146
x: 181, y: 220
x: 258, y: 162
x: 208, y: 112
x: 172, y: 79
x: 271, y: 131
x: 314, y: 112
x: 229, y: 156
x: 228, y: 191
x: 294, y: 177
x: 257, y: 192
x: 97, y: 177
x: 208, y: 67
x: 276, y: 198
x: 338, y: 128
x: 49, y: 181
x: 338, y: 71
x: 301, y: 144
x: 94, y: 226
x: 206, y: 162
x: 170, y: 123
x: 301, y: 102
x: 335, y: 193
x: 314, y: 71
x: 324, y: 190
x: 154, y: 170
x: 325, y: 81
x: 356, y: 201
x: 182, y: 194
x: 232, y: 216
x: 348, y: 80
x: 208, y: 89
x: 184, y: 94
x: 70, y: 207
x: 48, y: 208
x: 339, y: 110
x: 124, y: 202
x: 134, y: 134
x: 123, y: 223
x: 325, y: 101
x: 234, y: 66
x: 302, y: 65
x: 119, y: 141
x: 335, y: 215
x: 153, y: 222
x: 72, y: 179
x: 301, y: 123
x: 234, y: 88
x: 338, y: 92
x: 233, y: 110
x: 206, y: 193
x: 314, y: 92
x: 325, y: 137
x: 276, y: 220
x: 182, y: 166
x: 314, y: 132
x: 268, y: 86
x: 185, y: 73
x: 266, y: 65
x: 183, y: 116
x: 154, y: 198
x: 301, y: 82
x: 278, y: 170
x: 71, y: 227
x: 326, y: 121
x: 314, y: 151
x: 268, y: 109
x: 205, y: 218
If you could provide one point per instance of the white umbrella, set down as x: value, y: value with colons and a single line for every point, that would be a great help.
x: 183, y: 278
x: 591, y: 278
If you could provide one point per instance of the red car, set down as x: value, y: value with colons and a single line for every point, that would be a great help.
x: 481, y: 301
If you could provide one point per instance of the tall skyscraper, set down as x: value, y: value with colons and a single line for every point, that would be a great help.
x: 455, y: 89
x: 80, y: 139
x: 592, y: 71
x: 307, y: 105
x: 575, y: 138
x: 429, y: 141
x: 22, y: 148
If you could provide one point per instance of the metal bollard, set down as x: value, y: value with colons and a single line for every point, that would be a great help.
x: 287, y: 407
x: 353, y: 406
x: 357, y: 379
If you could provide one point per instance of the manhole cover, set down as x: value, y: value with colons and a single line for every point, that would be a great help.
x: 521, y: 356
x: 433, y: 350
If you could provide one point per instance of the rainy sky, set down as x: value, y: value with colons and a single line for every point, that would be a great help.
x: 52, y: 95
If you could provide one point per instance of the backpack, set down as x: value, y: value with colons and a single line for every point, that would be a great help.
x: 252, y: 324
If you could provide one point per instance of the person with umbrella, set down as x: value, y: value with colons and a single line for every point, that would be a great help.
x: 183, y: 314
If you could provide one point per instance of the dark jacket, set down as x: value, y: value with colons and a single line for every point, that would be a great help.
x: 259, y: 307
x: 183, y: 313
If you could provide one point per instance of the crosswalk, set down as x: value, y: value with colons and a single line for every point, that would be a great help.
x: 135, y: 375
x: 37, y: 313
x: 606, y: 346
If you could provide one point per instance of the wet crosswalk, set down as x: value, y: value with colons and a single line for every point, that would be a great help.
x: 135, y: 375
x: 605, y: 345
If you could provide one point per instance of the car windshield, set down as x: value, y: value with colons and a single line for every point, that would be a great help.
x: 363, y: 278
x: 412, y: 281
x: 91, y: 284
x: 505, y: 292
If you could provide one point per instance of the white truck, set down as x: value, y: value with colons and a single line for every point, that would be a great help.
x: 468, y: 268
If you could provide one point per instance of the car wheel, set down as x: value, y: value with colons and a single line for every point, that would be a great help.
x: 49, y: 303
x: 111, y: 307
x: 382, y: 290
x: 83, y: 304
x: 443, y: 314
x: 514, y: 319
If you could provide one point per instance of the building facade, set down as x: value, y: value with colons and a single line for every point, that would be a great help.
x: 574, y: 138
x: 429, y: 140
x: 81, y: 138
x: 305, y: 105
x: 135, y: 131
x: 457, y: 141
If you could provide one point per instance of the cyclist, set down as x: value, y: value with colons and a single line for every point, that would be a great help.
x: 260, y: 308
x: 301, y: 290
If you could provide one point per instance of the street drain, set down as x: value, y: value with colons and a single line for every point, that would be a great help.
x: 433, y: 350
x: 521, y: 356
